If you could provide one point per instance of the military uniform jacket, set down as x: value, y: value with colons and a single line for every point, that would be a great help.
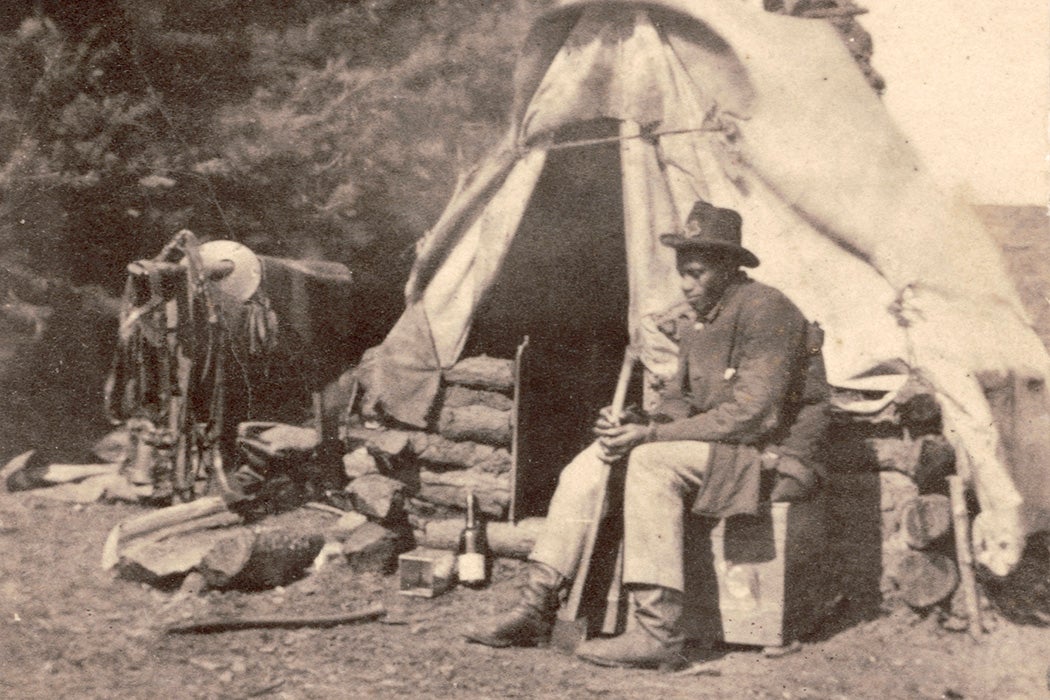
x: 741, y: 380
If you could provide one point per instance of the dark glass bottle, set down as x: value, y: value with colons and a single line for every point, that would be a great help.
x: 472, y: 562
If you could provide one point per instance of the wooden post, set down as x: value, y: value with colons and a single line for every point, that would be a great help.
x: 515, y: 428
x: 961, y: 520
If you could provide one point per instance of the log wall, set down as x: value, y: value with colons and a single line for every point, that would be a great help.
x: 465, y: 448
x: 887, y: 491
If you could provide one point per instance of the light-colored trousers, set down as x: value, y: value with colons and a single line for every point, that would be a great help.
x: 662, y: 479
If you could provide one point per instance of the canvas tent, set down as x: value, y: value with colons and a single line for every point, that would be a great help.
x: 769, y: 115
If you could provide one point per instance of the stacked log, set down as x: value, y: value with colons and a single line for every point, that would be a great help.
x: 896, y: 460
x: 513, y: 540
x: 886, y: 486
x: 465, y: 448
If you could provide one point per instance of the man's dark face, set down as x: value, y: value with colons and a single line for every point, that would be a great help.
x: 705, y: 278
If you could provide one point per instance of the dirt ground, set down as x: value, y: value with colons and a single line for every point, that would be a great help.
x: 68, y: 629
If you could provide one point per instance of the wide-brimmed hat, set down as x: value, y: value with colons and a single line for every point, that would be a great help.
x: 711, y: 228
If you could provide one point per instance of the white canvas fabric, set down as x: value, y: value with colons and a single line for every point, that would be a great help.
x: 770, y: 116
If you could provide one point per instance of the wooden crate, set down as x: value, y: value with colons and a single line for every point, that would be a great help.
x: 425, y: 572
x: 756, y: 580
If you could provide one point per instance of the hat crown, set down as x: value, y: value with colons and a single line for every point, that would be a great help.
x: 708, y: 223
x: 711, y: 228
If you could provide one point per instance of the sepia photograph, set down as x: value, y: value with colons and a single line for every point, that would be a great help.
x: 524, y: 349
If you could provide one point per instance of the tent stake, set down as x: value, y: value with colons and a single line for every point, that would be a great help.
x: 961, y: 521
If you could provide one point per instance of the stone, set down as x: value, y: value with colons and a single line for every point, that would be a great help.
x: 376, y: 496
x: 341, y: 529
x: 372, y: 548
x: 358, y: 463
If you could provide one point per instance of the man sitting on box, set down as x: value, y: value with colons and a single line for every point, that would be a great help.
x: 750, y: 394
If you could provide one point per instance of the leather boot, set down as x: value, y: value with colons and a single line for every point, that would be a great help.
x: 529, y: 623
x: 654, y: 640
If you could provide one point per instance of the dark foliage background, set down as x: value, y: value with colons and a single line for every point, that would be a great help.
x: 329, y: 129
x: 320, y: 128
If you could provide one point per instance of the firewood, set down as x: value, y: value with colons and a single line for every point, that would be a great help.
x: 450, y: 489
x: 443, y: 452
x: 127, y: 530
x: 42, y: 476
x: 382, y: 440
x: 483, y: 372
x: 255, y: 561
x: 90, y: 490
x: 504, y: 539
x: 925, y: 578
x: 276, y: 440
x: 67, y: 473
x: 229, y: 555
x: 460, y: 396
x: 208, y: 522
x: 372, y: 547
x: 925, y: 519
x: 278, y: 557
x: 477, y: 423
x: 161, y: 563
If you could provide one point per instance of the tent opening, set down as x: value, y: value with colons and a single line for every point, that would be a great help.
x: 564, y: 285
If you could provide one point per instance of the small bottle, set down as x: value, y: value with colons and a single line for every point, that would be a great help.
x: 472, y: 561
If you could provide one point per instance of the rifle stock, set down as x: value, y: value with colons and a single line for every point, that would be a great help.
x: 570, y: 627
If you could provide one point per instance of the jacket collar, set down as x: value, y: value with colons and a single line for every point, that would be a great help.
x: 739, y: 280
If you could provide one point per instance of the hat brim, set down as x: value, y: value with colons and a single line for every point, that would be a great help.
x: 242, y: 283
x: 679, y: 242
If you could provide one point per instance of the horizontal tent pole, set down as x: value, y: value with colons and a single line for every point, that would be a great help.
x: 647, y: 135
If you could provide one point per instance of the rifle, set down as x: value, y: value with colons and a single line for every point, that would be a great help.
x: 570, y: 626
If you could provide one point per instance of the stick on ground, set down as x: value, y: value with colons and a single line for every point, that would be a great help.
x: 372, y: 612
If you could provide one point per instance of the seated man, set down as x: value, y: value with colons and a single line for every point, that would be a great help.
x: 744, y: 357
